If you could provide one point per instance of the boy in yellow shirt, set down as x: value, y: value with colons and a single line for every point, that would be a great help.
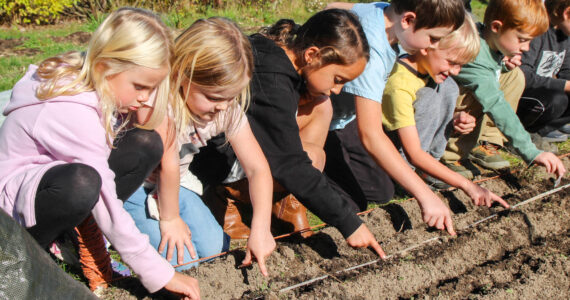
x: 419, y: 120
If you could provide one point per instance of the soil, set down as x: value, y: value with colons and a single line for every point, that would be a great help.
x: 77, y: 38
x: 9, y: 48
x: 521, y: 253
x: 12, y: 47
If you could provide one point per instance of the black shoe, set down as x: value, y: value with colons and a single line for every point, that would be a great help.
x: 555, y: 136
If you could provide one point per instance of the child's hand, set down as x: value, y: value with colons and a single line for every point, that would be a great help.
x: 552, y: 163
x: 436, y: 214
x: 259, y: 245
x: 463, y: 122
x: 362, y: 237
x: 482, y: 196
x: 512, y: 62
x: 184, y: 285
x: 175, y: 233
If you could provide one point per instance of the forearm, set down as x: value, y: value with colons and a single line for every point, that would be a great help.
x: 389, y: 159
x: 257, y: 170
x: 261, y: 193
x: 487, y: 91
x: 383, y: 151
x: 168, y: 190
x: 534, y: 81
x: 169, y: 175
x: 509, y: 124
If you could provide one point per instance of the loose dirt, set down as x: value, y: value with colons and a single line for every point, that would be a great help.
x: 521, y: 253
x: 10, y: 48
x: 77, y: 38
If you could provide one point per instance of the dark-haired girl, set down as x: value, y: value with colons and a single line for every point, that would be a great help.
x: 292, y: 63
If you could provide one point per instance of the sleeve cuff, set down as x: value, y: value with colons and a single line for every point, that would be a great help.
x: 362, y: 93
x: 349, y: 225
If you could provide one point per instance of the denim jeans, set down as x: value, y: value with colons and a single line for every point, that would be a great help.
x: 208, y: 237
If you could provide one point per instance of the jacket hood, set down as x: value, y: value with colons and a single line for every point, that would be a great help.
x: 24, y: 94
x: 270, y: 58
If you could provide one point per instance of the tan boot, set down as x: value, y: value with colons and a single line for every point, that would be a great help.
x: 233, y: 222
x: 230, y: 213
x: 290, y: 216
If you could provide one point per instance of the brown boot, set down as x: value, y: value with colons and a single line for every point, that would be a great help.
x: 290, y: 216
x: 233, y: 223
x: 230, y: 214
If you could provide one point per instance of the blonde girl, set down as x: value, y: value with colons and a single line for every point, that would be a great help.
x: 61, y: 124
x: 210, y: 77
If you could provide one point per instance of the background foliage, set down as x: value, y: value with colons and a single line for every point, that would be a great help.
x: 33, y: 11
x: 39, y: 12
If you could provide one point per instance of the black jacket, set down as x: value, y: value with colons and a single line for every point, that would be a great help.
x: 275, y: 92
x: 548, y: 55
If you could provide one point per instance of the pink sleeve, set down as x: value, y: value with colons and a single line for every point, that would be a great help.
x: 72, y: 132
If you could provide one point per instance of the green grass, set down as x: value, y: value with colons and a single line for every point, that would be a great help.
x: 249, y: 17
x: 478, y: 9
x: 13, y: 67
x: 564, y: 147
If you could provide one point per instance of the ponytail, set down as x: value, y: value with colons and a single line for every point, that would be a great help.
x: 283, y: 32
x: 336, y: 32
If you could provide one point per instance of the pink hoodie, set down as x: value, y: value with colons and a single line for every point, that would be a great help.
x: 38, y: 135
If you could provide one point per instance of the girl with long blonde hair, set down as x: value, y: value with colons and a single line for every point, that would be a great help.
x: 67, y: 116
x: 210, y: 77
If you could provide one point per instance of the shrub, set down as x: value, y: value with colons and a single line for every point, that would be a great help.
x: 33, y: 11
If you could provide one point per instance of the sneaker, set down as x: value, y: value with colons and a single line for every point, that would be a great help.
x: 458, y: 167
x: 565, y: 129
x: 487, y: 156
x: 555, y: 136
x: 120, y: 269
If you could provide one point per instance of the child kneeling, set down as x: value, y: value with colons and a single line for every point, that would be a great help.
x: 417, y: 119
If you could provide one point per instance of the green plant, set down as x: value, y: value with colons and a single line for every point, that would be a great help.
x: 94, y: 21
x: 33, y: 11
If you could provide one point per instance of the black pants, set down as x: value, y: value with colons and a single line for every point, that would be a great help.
x: 543, y: 110
x: 67, y: 193
x: 352, y: 172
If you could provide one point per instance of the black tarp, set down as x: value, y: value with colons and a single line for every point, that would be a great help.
x: 28, y: 272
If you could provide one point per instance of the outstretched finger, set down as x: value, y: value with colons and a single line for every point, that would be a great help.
x: 374, y: 244
x: 500, y: 200
x: 262, y: 267
x: 449, y: 225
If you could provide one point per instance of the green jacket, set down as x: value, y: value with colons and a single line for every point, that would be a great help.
x: 482, y: 77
